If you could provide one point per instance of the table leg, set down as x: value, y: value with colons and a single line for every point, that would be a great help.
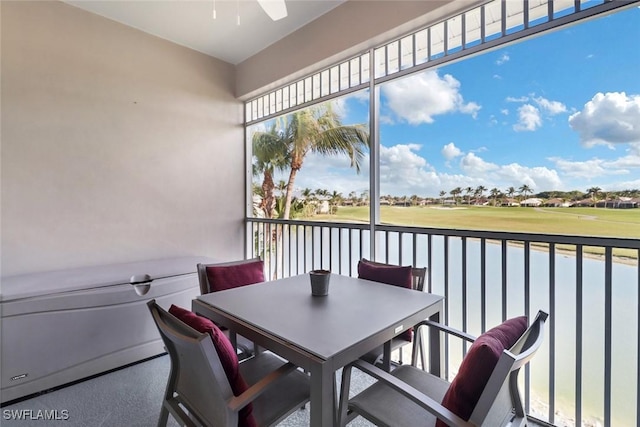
x: 323, y: 397
x: 386, y: 356
x: 436, y: 352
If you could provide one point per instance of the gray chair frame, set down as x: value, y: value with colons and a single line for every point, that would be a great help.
x: 375, y: 356
x: 198, y: 392
x: 410, y: 396
x: 247, y: 348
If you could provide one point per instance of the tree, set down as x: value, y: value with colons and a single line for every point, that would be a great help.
x: 268, y: 155
x: 334, y: 201
x: 525, y: 190
x: 442, y: 194
x: 469, y: 192
x: 316, y: 129
x: 479, y: 191
x: 455, y: 193
x: 593, y: 192
x: 495, y: 193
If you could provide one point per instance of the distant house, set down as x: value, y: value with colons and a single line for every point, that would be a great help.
x: 619, y: 203
x: 532, y: 202
x: 510, y: 202
x: 584, y: 203
x: 557, y: 203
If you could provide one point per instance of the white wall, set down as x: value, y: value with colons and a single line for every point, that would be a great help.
x: 116, y: 146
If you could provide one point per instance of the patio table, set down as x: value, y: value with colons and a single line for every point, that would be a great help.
x: 322, y: 334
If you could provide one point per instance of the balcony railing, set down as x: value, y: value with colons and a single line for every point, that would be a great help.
x: 587, y: 374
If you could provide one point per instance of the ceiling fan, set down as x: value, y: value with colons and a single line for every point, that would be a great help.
x: 276, y: 9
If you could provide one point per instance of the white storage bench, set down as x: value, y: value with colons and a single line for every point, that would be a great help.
x: 62, y: 326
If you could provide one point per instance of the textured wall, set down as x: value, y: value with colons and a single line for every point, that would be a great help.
x: 116, y: 146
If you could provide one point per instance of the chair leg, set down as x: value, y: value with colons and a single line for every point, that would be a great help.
x: 344, y: 396
x: 164, y: 416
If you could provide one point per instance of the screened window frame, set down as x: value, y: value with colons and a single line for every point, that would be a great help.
x: 490, y: 25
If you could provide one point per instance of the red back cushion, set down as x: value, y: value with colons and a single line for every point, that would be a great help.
x: 223, y: 277
x: 226, y: 353
x: 389, y: 274
x: 476, y: 368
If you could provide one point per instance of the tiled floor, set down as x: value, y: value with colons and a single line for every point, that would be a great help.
x: 128, y: 397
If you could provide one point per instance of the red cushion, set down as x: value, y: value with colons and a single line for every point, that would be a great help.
x: 389, y: 274
x: 226, y: 353
x: 223, y: 277
x: 476, y: 368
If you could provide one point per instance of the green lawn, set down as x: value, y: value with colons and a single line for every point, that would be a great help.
x: 564, y: 221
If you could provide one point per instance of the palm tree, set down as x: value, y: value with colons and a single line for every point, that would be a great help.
x: 455, y: 193
x: 442, y: 194
x: 593, y: 191
x: 316, y: 129
x: 469, y: 191
x: 334, y: 201
x: 524, y: 190
x: 268, y: 155
x: 479, y: 191
x: 495, y: 193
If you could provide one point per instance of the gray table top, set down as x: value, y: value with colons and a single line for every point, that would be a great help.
x: 354, y: 310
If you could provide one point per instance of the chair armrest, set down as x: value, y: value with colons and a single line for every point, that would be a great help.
x: 413, y: 394
x: 238, y: 402
x: 447, y: 329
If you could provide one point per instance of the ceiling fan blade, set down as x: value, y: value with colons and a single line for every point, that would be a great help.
x: 276, y: 9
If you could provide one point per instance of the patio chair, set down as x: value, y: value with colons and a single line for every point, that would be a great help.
x: 220, y: 276
x: 206, y: 385
x: 410, y: 277
x: 483, y: 393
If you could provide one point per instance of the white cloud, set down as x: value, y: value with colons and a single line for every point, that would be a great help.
x: 504, y: 58
x: 403, y: 171
x: 551, y: 107
x: 497, y: 76
x: 514, y: 99
x: 505, y: 111
x: 450, y: 151
x: 419, y: 98
x: 528, y: 118
x: 597, y: 168
x: 475, y: 166
x: 538, y: 178
x: 610, y: 118
x: 584, y: 170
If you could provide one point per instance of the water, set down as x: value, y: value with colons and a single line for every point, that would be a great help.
x: 340, y: 252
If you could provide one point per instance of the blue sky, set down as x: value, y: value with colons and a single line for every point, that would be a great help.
x: 557, y: 112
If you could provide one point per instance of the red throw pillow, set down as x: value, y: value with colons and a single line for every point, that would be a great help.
x: 223, y: 277
x: 476, y: 368
x: 226, y: 353
x: 390, y: 275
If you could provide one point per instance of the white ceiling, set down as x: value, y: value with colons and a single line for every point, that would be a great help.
x: 190, y: 23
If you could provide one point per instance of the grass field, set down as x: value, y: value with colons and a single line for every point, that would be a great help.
x: 565, y: 221
x: 600, y: 222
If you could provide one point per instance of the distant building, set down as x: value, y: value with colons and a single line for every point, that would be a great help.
x: 557, y: 203
x: 532, y: 202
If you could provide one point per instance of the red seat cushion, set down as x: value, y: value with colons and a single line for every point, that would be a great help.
x: 226, y: 353
x: 476, y: 368
x: 223, y: 277
x: 390, y: 275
